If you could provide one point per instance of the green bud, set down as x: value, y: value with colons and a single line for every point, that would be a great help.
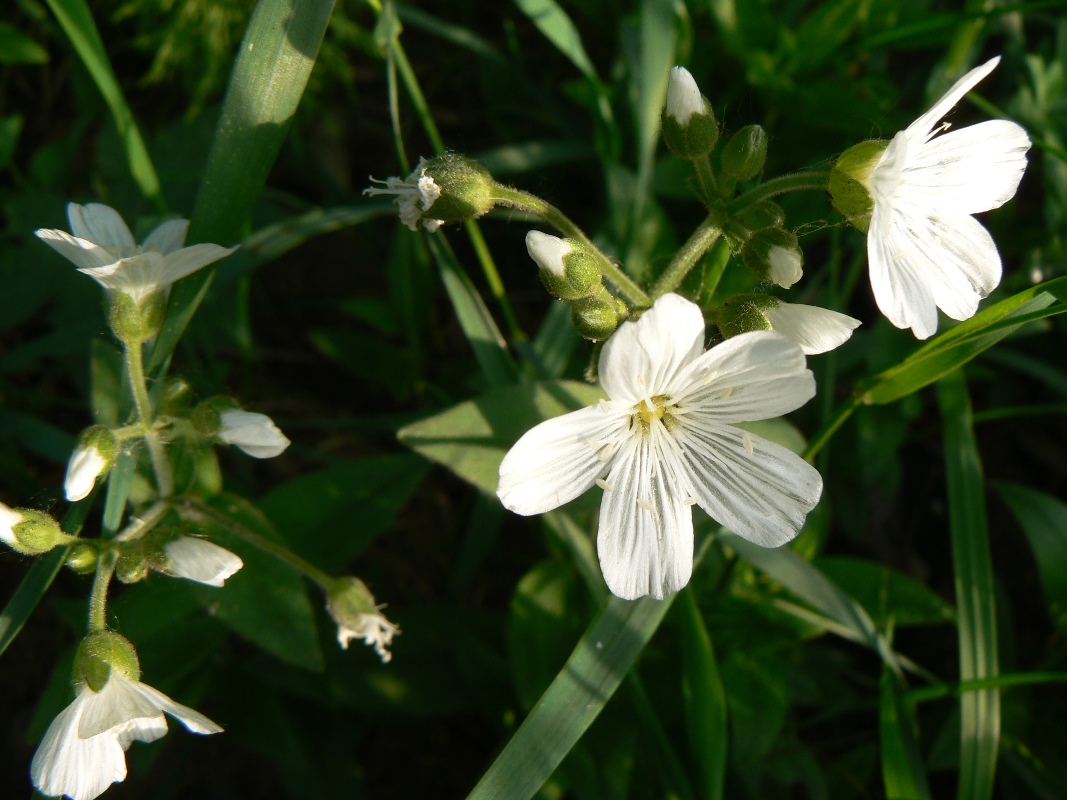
x: 99, y: 654
x: 773, y: 254
x: 848, y: 181
x: 744, y: 313
x: 131, y: 567
x: 174, y: 395
x: 568, y: 270
x: 206, y: 419
x: 36, y: 533
x: 689, y: 126
x: 82, y: 557
x: 597, y: 317
x: 133, y: 323
x: 764, y: 214
x: 745, y: 154
x: 466, y: 188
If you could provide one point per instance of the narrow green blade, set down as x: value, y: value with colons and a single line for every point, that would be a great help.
x: 705, y: 700
x: 557, y: 27
x: 979, y: 709
x: 902, y: 768
x: 1044, y: 521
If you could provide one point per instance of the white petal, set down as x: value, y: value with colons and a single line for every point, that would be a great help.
x: 116, y: 704
x: 753, y: 376
x: 548, y: 251
x: 252, y: 432
x: 200, y: 560
x: 683, y: 96
x: 100, y: 224
x: 921, y: 128
x: 786, y: 266
x: 815, y: 329
x: 168, y: 237
x: 192, y: 719
x: 763, y: 495
x: 561, y: 458
x: 898, y: 283
x: 142, y: 729
x: 189, y: 259
x: 138, y: 276
x: 84, y: 467
x: 642, y: 359
x: 645, y: 537
x: 8, y: 520
x: 67, y: 764
x: 84, y: 254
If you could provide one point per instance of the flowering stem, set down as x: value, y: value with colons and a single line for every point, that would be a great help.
x: 687, y: 256
x: 105, y: 568
x: 516, y: 198
x: 830, y: 428
x: 796, y: 182
x: 141, y: 525
x: 706, y: 177
x: 158, y: 454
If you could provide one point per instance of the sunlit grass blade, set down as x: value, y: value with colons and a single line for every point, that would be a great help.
x: 902, y: 768
x: 579, y: 692
x: 557, y: 27
x: 705, y: 700
x: 980, y: 709
x: 77, y: 22
x: 273, y: 64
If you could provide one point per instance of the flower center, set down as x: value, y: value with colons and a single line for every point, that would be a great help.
x: 657, y: 407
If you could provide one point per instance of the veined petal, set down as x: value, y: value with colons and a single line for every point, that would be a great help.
x: 753, y: 376
x: 815, y: 329
x: 759, y: 490
x: 922, y: 127
x: 138, y: 276
x: 84, y: 254
x: 167, y: 237
x: 971, y: 170
x: 189, y: 259
x: 645, y: 536
x: 561, y: 458
x: 898, y: 282
x: 116, y: 704
x: 100, y: 224
x: 643, y: 358
x: 142, y: 729
x: 192, y: 719
x: 252, y: 432
x: 200, y: 560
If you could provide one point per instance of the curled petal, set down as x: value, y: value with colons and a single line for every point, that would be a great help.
x: 168, y: 237
x: 138, y: 276
x: 922, y: 127
x: 815, y: 329
x: 84, y: 254
x: 98, y: 223
x: 189, y: 259
x: 254, y: 433
x: 200, y: 560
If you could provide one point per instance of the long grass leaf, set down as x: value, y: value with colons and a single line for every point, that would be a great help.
x: 557, y: 27
x: 1044, y: 521
x: 902, y: 769
x: 705, y: 699
x: 980, y: 709
x: 274, y: 62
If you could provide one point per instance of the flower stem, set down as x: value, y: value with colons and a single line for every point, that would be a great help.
x: 158, y: 454
x: 516, y: 198
x: 687, y: 256
x: 141, y: 525
x: 830, y: 428
x: 706, y: 177
x: 105, y: 568
x: 796, y: 182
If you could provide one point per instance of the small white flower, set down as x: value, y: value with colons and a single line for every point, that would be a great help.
x: 83, y: 751
x: 815, y: 329
x: 85, y: 466
x: 375, y: 631
x: 200, y: 560
x: 665, y: 441
x: 683, y: 96
x: 548, y: 251
x: 415, y: 194
x: 254, y: 433
x: 103, y: 248
x: 9, y: 518
x: 925, y: 249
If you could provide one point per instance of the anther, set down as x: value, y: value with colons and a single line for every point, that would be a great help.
x: 729, y: 390
x: 690, y: 501
x: 603, y: 484
x: 746, y: 440
x: 643, y: 503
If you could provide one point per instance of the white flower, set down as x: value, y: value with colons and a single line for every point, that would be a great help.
x: 375, y: 631
x: 925, y: 249
x: 83, y: 751
x: 351, y: 605
x: 815, y: 329
x: 664, y: 441
x: 85, y: 466
x: 200, y: 560
x: 103, y: 248
x: 254, y: 433
x: 548, y: 251
x: 9, y: 518
x: 683, y: 96
x: 415, y: 194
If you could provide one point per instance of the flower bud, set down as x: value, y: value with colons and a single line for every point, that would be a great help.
x: 134, y: 322
x: 743, y: 313
x: 101, y: 652
x: 760, y: 215
x: 175, y: 394
x: 254, y: 433
x: 567, y: 270
x: 597, y: 317
x: 773, y: 254
x: 131, y: 566
x: 448, y: 188
x: 350, y: 603
x: 816, y: 330
x: 82, y: 557
x: 848, y: 181
x: 191, y: 557
x: 745, y: 154
x: 689, y: 126
x: 96, y: 452
x: 30, y: 532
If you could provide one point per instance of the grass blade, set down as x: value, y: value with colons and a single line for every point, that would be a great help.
x: 980, y: 709
x: 705, y: 699
x: 568, y: 707
x: 902, y: 767
x: 557, y: 27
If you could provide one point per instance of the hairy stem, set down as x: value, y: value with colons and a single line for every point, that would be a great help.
x: 105, y: 568
x: 703, y: 238
x: 156, y: 450
x: 797, y: 182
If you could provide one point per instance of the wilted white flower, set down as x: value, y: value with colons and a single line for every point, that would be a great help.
x: 83, y: 751
x: 415, y: 195
x: 925, y: 249
x: 665, y: 441
x: 103, y: 248
x: 683, y: 96
x: 200, y: 560
x: 351, y: 605
x: 815, y: 329
x: 375, y: 631
x: 254, y: 433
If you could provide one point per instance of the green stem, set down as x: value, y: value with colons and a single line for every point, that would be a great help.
x: 105, y: 568
x: 706, y: 176
x: 141, y: 525
x: 830, y: 428
x: 156, y: 450
x: 687, y: 256
x: 796, y: 182
x: 516, y: 198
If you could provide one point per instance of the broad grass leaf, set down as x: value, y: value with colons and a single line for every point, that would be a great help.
x: 557, y: 27
x: 1044, y: 521
x: 704, y: 700
x: 903, y: 773
x: 885, y: 594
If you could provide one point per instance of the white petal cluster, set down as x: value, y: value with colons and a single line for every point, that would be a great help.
x: 816, y: 330
x: 84, y: 750
x: 85, y: 466
x: 252, y: 432
x: 414, y: 194
x: 375, y: 631
x: 683, y: 96
x: 103, y: 248
x: 925, y: 249
x: 665, y: 440
x: 199, y: 560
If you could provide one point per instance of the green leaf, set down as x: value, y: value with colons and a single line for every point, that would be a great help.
x: 885, y: 594
x: 273, y: 64
x: 980, y: 709
x: 77, y: 22
x: 902, y: 768
x: 704, y: 700
x: 579, y: 692
x: 557, y: 27
x: 17, y: 47
x: 472, y: 438
x: 1044, y: 521
x: 10, y: 128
